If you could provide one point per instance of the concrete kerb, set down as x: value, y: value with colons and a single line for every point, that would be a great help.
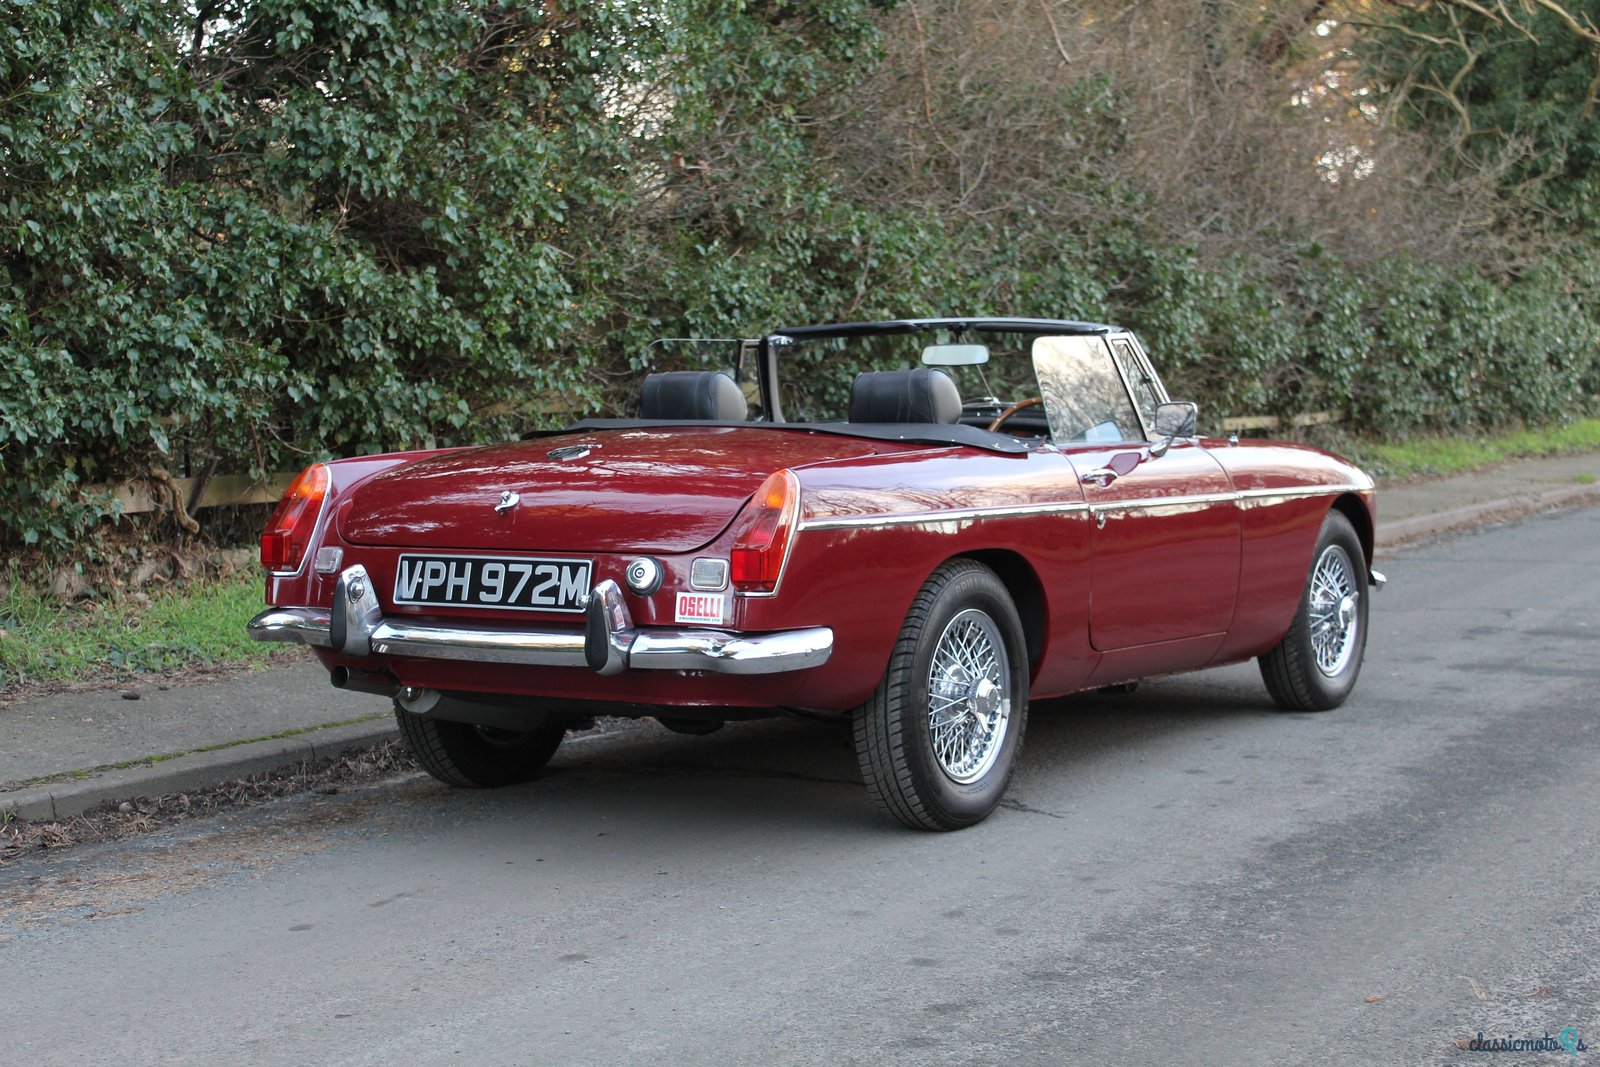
x: 59, y: 800
x: 1417, y: 527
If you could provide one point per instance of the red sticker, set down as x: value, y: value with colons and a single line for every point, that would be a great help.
x: 699, y: 607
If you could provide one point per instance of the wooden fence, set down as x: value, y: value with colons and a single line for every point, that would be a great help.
x: 224, y: 489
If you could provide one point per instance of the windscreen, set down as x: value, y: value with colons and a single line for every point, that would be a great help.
x: 815, y: 375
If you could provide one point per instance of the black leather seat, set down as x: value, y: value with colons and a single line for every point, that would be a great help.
x: 693, y: 394
x: 920, y: 395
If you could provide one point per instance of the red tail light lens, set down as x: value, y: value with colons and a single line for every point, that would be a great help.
x: 762, y: 541
x: 288, y: 533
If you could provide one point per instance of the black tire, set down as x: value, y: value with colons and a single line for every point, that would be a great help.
x: 894, y: 731
x: 478, y: 757
x: 1297, y: 679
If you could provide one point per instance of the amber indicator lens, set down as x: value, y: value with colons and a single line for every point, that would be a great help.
x: 288, y: 533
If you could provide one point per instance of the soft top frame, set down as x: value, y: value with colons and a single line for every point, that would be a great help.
x: 954, y: 325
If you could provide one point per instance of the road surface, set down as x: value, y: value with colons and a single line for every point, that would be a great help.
x: 1180, y: 875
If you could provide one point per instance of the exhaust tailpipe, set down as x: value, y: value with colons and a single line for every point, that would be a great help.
x: 375, y: 682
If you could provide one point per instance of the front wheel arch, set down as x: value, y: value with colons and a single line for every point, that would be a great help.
x: 1353, y: 508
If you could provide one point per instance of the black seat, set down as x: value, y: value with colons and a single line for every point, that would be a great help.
x: 693, y: 394
x: 920, y: 395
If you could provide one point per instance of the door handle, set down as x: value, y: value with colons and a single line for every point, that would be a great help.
x: 1101, y: 476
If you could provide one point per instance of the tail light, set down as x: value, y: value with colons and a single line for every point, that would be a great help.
x: 761, y: 543
x: 288, y: 534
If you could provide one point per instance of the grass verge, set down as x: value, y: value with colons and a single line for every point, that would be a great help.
x: 1440, y: 456
x: 200, y: 623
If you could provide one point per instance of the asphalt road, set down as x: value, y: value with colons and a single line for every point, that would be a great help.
x: 1180, y: 876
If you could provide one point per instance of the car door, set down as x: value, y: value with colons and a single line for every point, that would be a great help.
x: 1164, y: 529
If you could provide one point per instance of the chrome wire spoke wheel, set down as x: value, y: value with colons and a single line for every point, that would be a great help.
x: 939, y: 738
x: 1314, y: 666
x: 969, y: 696
x: 1334, y: 596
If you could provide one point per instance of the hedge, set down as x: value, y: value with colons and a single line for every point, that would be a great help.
x: 311, y: 227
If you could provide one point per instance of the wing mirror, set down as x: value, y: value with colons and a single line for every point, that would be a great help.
x: 1174, y: 420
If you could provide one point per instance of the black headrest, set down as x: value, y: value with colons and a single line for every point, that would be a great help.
x: 692, y: 394
x: 920, y: 395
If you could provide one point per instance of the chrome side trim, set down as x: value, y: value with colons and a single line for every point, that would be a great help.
x: 1303, y: 491
x: 930, y: 518
x: 1147, y: 503
x: 919, y: 518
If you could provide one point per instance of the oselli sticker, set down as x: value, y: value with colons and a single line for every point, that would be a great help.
x: 700, y: 607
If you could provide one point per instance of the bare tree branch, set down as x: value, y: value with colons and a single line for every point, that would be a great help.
x: 1055, y: 31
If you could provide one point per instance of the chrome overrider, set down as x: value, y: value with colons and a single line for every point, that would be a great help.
x: 609, y: 643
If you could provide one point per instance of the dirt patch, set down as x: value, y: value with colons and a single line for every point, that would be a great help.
x: 141, y: 815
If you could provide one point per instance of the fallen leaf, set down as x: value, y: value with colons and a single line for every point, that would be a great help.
x: 1477, y: 990
x: 1463, y: 1043
x: 1539, y: 991
x: 1374, y: 1000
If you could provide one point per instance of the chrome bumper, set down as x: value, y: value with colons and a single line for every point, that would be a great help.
x: 609, y: 643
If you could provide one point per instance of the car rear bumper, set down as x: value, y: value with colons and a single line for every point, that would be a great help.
x: 610, y: 643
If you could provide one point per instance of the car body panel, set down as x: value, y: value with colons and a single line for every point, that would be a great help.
x: 639, y: 490
x: 1165, y: 546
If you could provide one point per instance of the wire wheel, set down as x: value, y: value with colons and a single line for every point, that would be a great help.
x: 1333, y: 615
x: 1314, y: 667
x: 939, y: 738
x: 969, y: 696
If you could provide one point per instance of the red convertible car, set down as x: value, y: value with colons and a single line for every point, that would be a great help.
x: 997, y: 510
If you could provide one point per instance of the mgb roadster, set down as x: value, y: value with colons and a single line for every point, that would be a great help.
x: 916, y: 525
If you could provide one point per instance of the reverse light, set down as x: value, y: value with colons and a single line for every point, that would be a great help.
x: 288, y: 533
x: 761, y: 543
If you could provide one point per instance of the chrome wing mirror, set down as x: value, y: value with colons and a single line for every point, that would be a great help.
x: 1174, y: 420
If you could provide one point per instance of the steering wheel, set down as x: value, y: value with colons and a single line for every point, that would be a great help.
x: 1013, y: 409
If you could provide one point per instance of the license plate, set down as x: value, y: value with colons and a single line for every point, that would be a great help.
x: 513, y: 583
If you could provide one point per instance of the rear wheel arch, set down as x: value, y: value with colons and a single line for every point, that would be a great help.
x: 938, y: 740
x: 1027, y: 593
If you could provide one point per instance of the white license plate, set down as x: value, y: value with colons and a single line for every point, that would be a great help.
x: 515, y: 583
